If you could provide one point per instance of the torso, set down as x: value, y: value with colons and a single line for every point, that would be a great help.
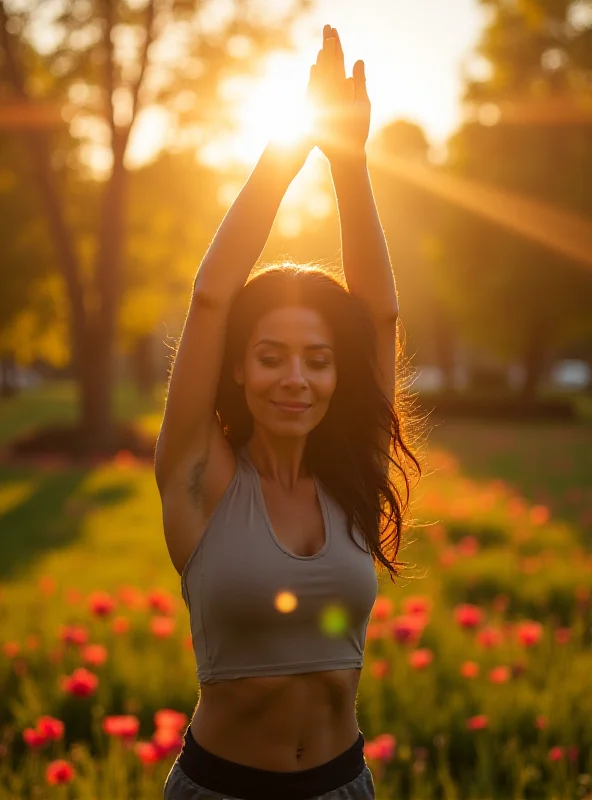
x: 286, y: 722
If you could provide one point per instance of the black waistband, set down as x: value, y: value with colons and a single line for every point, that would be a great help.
x: 249, y: 783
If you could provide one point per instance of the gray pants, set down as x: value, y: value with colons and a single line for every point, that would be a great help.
x: 179, y: 787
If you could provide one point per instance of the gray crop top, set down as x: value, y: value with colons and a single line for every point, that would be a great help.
x: 257, y: 609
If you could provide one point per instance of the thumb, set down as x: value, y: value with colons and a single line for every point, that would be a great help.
x: 360, y: 91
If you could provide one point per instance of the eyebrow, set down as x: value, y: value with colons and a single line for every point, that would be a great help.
x: 276, y: 343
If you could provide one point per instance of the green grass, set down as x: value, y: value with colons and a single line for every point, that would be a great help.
x: 516, y: 500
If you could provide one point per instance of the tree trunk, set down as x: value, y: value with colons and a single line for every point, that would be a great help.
x: 535, y: 358
x: 97, y: 374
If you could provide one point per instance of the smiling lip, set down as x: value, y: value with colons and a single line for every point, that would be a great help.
x: 293, y: 408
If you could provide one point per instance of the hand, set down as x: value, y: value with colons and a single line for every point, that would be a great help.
x: 340, y: 106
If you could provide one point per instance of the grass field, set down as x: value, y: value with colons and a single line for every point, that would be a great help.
x: 477, y: 679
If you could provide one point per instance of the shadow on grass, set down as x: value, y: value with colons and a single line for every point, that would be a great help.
x: 50, y: 517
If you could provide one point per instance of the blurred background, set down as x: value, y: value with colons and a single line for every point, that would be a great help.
x: 127, y: 128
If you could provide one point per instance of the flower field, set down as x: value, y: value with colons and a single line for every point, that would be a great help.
x: 477, y: 681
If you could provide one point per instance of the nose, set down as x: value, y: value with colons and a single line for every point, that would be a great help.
x: 294, y: 376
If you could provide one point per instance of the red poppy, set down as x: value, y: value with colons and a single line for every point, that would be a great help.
x: 489, y: 636
x: 556, y: 753
x: 407, y: 629
x: 477, y: 723
x: 59, y: 771
x: 380, y: 668
x: 74, y: 634
x: 47, y: 585
x: 539, y: 515
x: 421, y: 658
x: 382, y: 608
x: 94, y: 654
x: 162, y: 627
x: 120, y: 625
x: 542, y: 722
x: 147, y: 752
x: 468, y: 546
x: 499, y: 675
x: 468, y: 616
x: 168, y: 718
x: 562, y: 635
x: 417, y: 605
x: 101, y: 604
x: 50, y: 727
x: 469, y: 669
x: 124, y: 726
x: 131, y: 597
x: 529, y: 633
x: 34, y: 738
x: 382, y: 748
x: 161, y: 601
x: 11, y: 649
x: 81, y: 683
x: 167, y: 740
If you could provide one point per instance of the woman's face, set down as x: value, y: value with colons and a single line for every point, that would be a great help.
x: 289, y: 359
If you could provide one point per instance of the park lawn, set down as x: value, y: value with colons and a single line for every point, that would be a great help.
x: 504, y: 522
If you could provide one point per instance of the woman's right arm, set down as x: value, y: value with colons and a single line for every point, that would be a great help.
x: 190, y: 406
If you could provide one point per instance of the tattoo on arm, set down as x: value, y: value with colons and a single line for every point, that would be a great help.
x: 195, y: 483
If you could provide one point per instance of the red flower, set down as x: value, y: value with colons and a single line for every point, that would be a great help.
x: 470, y: 669
x: 147, y: 752
x: 417, y: 605
x: 161, y: 601
x: 468, y: 616
x: 101, y: 604
x: 59, y: 771
x: 419, y: 659
x: 47, y: 585
x: 50, y: 727
x: 162, y: 627
x: 380, y: 668
x: 131, y: 597
x: 94, y: 654
x: 120, y: 625
x: 556, y: 753
x: 468, y: 546
x: 81, y: 683
x: 167, y: 740
x: 11, y: 649
x: 477, y: 723
x: 562, y: 635
x: 168, y: 718
x: 542, y: 722
x: 407, y: 628
x: 539, y: 515
x: 499, y: 675
x: 382, y: 748
x: 529, y: 633
x: 74, y: 634
x: 125, y: 726
x: 489, y: 636
x: 382, y: 609
x: 34, y: 738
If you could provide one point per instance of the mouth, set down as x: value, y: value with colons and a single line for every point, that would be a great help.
x: 292, y: 408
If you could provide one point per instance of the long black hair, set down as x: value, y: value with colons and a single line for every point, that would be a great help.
x: 343, y: 450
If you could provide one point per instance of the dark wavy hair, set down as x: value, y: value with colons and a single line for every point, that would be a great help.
x: 343, y: 450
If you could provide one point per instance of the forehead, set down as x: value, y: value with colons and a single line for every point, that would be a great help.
x: 292, y: 325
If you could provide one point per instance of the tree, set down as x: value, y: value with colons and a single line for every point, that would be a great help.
x: 527, y: 132
x: 106, y: 63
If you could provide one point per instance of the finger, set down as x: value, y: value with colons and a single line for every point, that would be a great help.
x: 326, y: 31
x: 350, y: 91
x: 360, y: 90
x: 339, y: 58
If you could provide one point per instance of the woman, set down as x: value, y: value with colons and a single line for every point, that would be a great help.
x: 273, y: 469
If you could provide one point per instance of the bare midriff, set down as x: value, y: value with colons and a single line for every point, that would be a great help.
x: 282, y: 723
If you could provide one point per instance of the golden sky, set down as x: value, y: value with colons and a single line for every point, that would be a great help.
x: 414, y: 52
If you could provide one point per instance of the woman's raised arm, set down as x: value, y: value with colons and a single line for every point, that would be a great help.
x: 190, y: 404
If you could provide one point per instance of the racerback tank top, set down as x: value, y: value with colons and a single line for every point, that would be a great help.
x: 258, y: 609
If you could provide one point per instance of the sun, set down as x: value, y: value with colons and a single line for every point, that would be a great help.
x: 274, y: 106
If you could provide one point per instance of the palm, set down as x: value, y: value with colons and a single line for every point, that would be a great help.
x: 340, y: 106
